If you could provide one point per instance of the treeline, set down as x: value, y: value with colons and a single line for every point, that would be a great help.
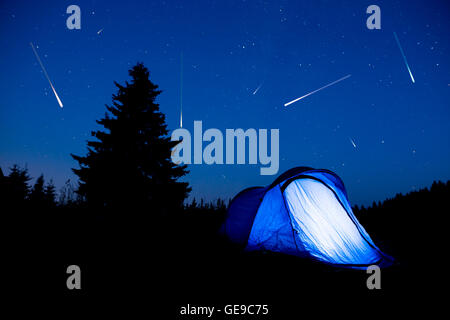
x: 16, y: 191
x: 411, y: 227
x: 405, y: 226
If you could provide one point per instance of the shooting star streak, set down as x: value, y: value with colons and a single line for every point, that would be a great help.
x: 404, y: 57
x: 308, y: 94
x: 99, y: 31
x: 254, y: 92
x: 46, y: 75
x: 353, y: 142
x: 181, y: 90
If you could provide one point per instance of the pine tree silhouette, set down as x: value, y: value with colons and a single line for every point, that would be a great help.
x: 50, y: 195
x: 17, y: 188
x: 37, y: 195
x: 130, y: 164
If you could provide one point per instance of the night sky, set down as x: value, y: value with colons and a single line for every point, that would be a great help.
x: 230, y: 48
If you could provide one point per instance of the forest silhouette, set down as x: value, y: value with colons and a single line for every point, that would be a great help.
x: 126, y: 224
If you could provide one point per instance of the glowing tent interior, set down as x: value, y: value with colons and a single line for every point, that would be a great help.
x: 304, y: 212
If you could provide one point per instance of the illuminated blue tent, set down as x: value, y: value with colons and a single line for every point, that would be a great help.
x: 304, y: 212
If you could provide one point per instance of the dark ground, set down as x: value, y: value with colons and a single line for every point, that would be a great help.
x: 160, y: 264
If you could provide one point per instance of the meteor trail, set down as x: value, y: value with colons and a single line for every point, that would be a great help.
x: 353, y: 142
x: 308, y: 94
x: 254, y: 92
x: 181, y: 90
x: 46, y: 74
x: 404, y: 57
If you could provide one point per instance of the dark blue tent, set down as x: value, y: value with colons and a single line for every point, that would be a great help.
x: 304, y: 212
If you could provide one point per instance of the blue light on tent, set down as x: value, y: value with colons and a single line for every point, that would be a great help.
x: 324, y: 227
x: 304, y: 212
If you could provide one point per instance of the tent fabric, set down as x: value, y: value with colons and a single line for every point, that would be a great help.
x: 242, y: 213
x: 272, y: 228
x: 304, y: 212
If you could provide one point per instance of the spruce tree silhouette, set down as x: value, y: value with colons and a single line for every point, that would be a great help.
x: 50, y: 195
x: 130, y: 165
x: 16, y: 187
x: 37, y: 195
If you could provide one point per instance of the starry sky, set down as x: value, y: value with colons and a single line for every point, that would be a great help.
x: 230, y: 48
